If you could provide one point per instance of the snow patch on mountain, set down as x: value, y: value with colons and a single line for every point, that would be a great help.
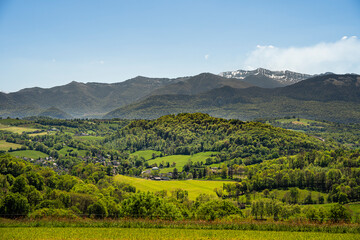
x: 283, y: 77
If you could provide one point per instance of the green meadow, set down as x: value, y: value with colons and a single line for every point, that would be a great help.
x: 68, y: 150
x: 18, y: 130
x: 146, y: 154
x: 194, y: 187
x: 5, y: 146
x: 181, y: 160
x: 29, y: 154
x: 89, y: 138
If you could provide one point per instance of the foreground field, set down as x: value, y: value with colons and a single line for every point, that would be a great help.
x: 194, y: 187
x: 146, y: 233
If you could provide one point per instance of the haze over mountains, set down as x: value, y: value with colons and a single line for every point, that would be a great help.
x: 239, y: 94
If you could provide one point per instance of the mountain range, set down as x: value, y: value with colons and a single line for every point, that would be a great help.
x: 239, y: 94
x: 82, y: 100
x: 327, y: 97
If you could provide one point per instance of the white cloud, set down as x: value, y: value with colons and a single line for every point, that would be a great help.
x: 206, y: 56
x: 342, y: 56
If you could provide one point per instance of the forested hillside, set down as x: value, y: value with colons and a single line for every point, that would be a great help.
x: 69, y: 169
x: 193, y: 133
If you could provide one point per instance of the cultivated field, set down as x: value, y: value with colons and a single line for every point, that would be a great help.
x: 194, y: 187
x: 159, y: 234
x: 18, y: 130
x: 4, y: 146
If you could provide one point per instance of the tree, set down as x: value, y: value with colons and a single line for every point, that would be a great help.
x: 14, y: 205
x: 294, y: 195
x: 215, y: 209
x: 339, y: 213
x: 98, y: 210
x: 20, y: 184
x: 308, y: 199
x: 224, y: 171
x: 147, y: 205
x: 175, y: 173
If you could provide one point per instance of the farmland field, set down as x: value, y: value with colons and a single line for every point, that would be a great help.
x: 29, y: 154
x: 194, y: 187
x: 181, y: 160
x: 146, y: 154
x: 164, y: 233
x: 38, y: 134
x: 4, y: 146
x: 87, y: 138
x: 18, y: 130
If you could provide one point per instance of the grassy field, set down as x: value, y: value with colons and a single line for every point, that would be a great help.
x: 66, y: 150
x: 353, y: 207
x: 146, y: 154
x: 38, y: 134
x: 300, y: 121
x: 159, y: 234
x: 18, y: 130
x: 4, y: 146
x: 194, y: 187
x: 29, y: 154
x: 181, y: 160
x: 87, y: 138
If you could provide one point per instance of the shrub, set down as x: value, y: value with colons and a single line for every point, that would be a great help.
x: 215, y: 209
x: 53, y: 213
x: 339, y: 213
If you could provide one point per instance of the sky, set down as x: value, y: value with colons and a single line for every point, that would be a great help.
x: 49, y: 43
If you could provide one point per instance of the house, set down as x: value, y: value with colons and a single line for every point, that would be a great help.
x: 146, y: 172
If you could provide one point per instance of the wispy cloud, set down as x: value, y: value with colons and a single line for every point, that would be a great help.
x: 342, y: 56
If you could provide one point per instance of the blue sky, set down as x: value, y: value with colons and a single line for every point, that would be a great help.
x: 47, y: 43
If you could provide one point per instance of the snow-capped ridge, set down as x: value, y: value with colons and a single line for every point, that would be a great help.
x: 283, y: 77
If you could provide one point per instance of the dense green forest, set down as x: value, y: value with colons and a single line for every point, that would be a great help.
x: 66, y: 168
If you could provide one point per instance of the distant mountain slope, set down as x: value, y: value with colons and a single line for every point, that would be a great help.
x: 81, y: 99
x: 200, y: 83
x: 328, y: 97
x: 96, y: 99
x: 330, y: 87
x: 265, y: 78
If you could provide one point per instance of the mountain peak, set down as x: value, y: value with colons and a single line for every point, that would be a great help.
x: 262, y: 77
